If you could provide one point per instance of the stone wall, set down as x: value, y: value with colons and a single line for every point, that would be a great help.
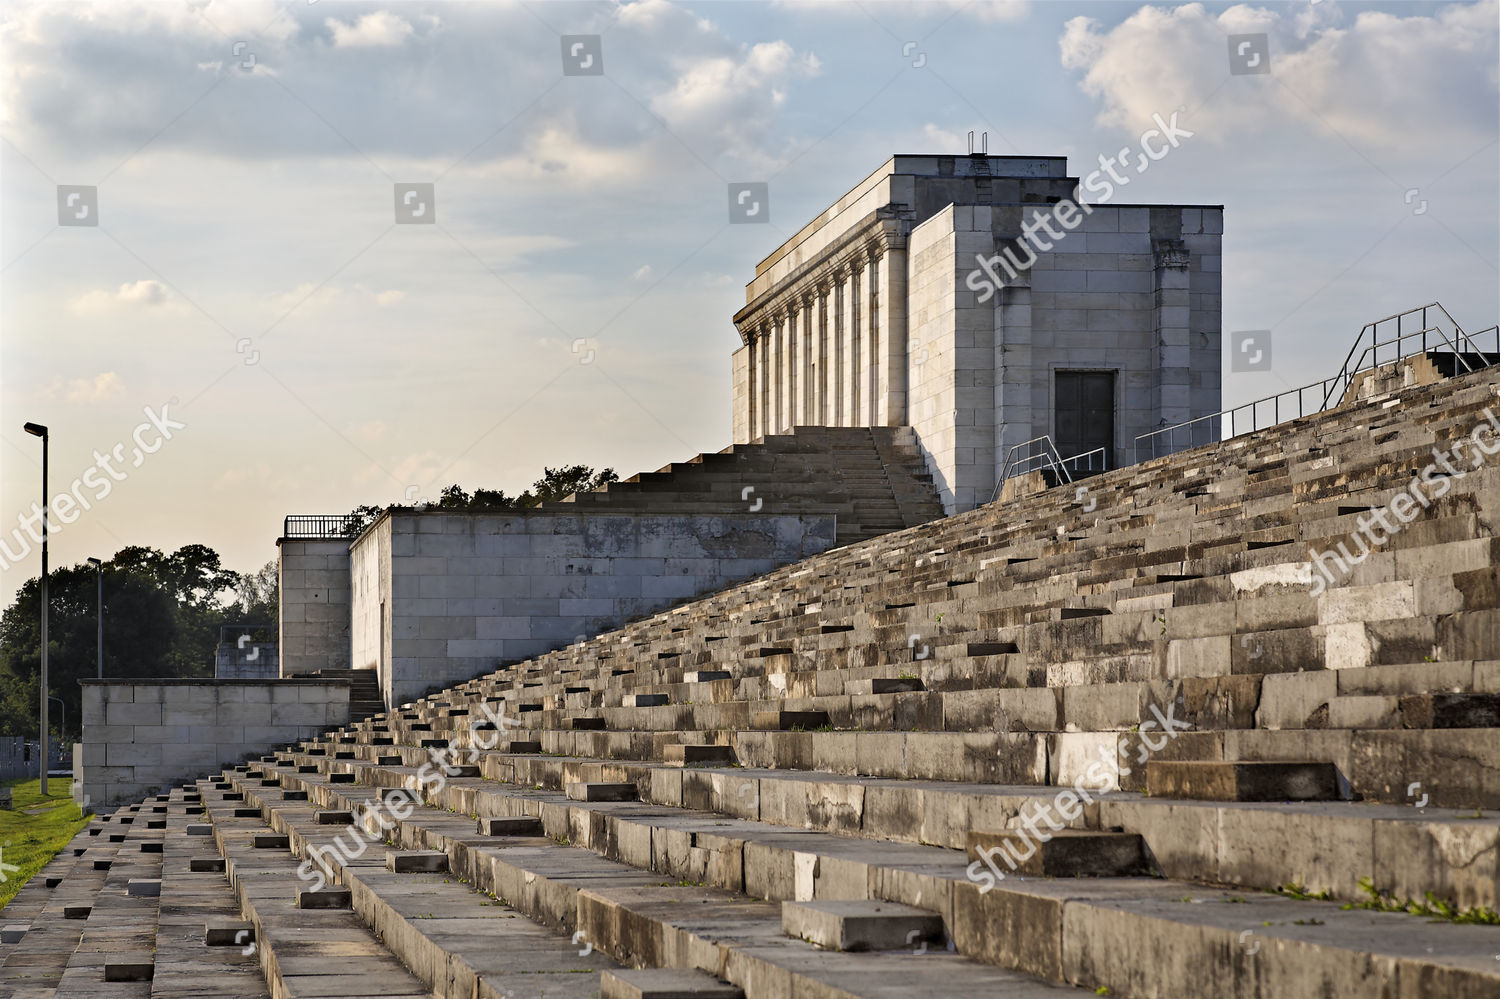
x: 1133, y: 290
x: 142, y: 737
x: 439, y: 597
x: 314, y: 582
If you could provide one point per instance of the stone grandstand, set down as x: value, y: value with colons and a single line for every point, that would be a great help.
x: 1191, y: 727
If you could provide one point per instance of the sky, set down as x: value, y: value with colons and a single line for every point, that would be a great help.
x: 239, y: 284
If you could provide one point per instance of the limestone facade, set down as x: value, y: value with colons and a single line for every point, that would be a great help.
x: 877, y: 314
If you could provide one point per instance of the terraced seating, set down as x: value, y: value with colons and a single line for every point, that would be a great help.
x: 1114, y: 737
x: 874, y: 478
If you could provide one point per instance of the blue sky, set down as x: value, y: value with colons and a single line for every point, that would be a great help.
x: 247, y: 273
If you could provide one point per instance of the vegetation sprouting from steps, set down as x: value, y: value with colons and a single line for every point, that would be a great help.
x: 555, y: 484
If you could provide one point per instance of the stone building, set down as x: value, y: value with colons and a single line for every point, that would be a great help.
x: 910, y: 302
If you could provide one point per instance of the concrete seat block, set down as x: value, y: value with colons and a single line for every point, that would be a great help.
x: 205, y: 865
x: 326, y: 898
x: 341, y: 778
x: 334, y: 817
x: 1068, y: 853
x: 416, y: 861
x: 645, y: 700
x: 602, y: 791
x: 664, y: 983
x: 686, y: 755
x: 860, y: 924
x: 705, y: 675
x: 1230, y: 781
x: 271, y: 841
x: 228, y: 933
x: 77, y: 911
x: 523, y: 747
x: 510, y: 825
x: 151, y: 847
x: 787, y: 721
x: 13, y: 932
x: 144, y: 887
x: 129, y: 969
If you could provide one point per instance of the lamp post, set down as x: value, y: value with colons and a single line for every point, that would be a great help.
x: 37, y: 430
x: 99, y: 567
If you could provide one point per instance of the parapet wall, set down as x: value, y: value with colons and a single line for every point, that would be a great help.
x: 314, y: 583
x: 142, y: 737
x: 439, y: 597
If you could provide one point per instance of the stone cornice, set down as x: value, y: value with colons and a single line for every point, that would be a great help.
x: 881, y: 231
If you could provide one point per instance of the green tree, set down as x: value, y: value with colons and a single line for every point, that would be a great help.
x: 162, y: 614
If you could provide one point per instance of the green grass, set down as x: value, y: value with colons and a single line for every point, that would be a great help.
x: 28, y: 840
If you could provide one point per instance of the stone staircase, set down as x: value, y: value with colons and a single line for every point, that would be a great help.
x: 873, y: 478
x: 1120, y: 738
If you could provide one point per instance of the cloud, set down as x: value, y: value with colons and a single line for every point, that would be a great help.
x: 388, y: 298
x: 641, y: 272
x: 148, y: 293
x: 1381, y: 79
x: 380, y: 29
x: 105, y: 385
x: 375, y: 85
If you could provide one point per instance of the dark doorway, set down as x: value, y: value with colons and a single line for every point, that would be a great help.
x: 1085, y: 418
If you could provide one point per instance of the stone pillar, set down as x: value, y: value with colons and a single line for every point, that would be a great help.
x: 825, y: 354
x: 752, y: 378
x: 793, y: 367
x: 871, y: 350
x: 890, y: 271
x: 855, y: 335
x: 798, y: 363
x: 1171, y: 323
x: 773, y: 337
x: 765, y: 371
x: 1015, y: 419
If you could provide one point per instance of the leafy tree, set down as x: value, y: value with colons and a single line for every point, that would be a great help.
x: 162, y: 614
x: 557, y: 483
x: 554, y: 484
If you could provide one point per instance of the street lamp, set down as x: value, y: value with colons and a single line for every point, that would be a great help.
x: 37, y: 430
x: 99, y: 566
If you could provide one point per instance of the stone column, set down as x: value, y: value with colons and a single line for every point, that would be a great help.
x: 774, y: 336
x: 1015, y: 419
x: 1170, y: 319
x: 765, y: 372
x: 890, y: 270
x: 825, y: 355
x: 794, y: 357
x: 855, y: 409
x: 752, y: 391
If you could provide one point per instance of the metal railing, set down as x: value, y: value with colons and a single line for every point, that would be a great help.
x: 1318, y: 396
x: 1041, y: 454
x: 316, y: 526
x: 1243, y: 419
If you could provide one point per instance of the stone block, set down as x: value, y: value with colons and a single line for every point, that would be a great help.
x: 1228, y: 781
x: 860, y: 924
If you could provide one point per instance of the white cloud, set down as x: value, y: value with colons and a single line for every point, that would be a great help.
x: 382, y: 28
x: 1381, y: 79
x: 388, y: 298
x: 641, y: 272
x: 105, y: 385
x: 147, y: 293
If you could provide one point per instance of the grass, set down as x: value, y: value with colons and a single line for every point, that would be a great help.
x: 28, y: 841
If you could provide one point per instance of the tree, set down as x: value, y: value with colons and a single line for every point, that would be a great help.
x: 555, y: 484
x: 162, y: 614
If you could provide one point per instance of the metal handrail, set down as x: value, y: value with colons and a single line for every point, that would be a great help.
x: 1254, y: 408
x: 318, y: 526
x: 1045, y: 453
x: 1373, y: 328
x: 1045, y: 456
x: 1332, y: 389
